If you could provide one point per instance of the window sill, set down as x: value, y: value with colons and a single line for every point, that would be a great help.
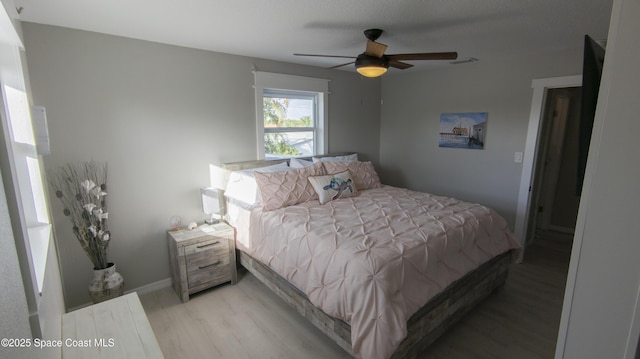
x: 39, y: 238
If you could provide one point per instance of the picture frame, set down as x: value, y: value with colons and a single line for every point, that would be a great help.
x: 463, y: 130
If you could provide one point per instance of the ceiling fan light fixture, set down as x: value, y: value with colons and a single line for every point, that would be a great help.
x: 371, y: 71
x: 370, y: 66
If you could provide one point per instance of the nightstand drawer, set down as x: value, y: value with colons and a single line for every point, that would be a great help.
x: 207, y: 263
x: 215, y: 273
x: 212, y: 247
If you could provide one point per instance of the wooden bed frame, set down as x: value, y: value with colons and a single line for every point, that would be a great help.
x: 423, y: 328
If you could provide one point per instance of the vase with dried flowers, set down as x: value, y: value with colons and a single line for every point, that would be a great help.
x: 82, y: 190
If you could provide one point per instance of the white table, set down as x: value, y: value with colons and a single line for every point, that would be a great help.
x: 116, y: 328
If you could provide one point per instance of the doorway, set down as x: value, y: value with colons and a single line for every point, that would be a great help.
x: 547, y: 199
x: 555, y: 195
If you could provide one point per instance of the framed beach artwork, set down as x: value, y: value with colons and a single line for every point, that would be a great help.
x: 463, y: 130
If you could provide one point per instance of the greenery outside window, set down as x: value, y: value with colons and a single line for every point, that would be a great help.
x: 291, y: 115
x: 289, y: 123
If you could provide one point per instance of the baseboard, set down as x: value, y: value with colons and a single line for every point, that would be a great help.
x: 145, y: 289
x: 151, y: 287
x: 79, y: 307
x: 561, y: 229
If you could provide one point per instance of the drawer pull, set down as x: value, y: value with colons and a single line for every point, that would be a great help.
x: 208, y: 244
x: 210, y: 265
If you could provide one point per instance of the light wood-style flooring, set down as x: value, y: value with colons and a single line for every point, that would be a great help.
x: 519, y: 320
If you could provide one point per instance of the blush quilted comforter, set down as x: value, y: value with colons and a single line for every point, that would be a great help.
x: 373, y: 260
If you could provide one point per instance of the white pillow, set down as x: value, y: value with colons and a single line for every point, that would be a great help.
x: 334, y: 186
x: 347, y: 158
x: 299, y: 163
x: 242, y: 185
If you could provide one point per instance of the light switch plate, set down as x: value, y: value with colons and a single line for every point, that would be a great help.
x: 518, y: 157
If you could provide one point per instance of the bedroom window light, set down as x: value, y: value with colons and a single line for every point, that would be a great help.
x: 27, y: 181
x: 289, y: 123
x: 291, y: 115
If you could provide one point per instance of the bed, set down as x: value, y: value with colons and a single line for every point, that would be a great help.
x: 383, y: 271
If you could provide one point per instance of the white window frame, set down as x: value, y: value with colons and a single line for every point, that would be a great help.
x: 23, y: 174
x: 23, y: 164
x: 289, y: 83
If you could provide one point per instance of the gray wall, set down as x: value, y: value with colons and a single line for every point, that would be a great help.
x: 410, y: 123
x: 159, y: 115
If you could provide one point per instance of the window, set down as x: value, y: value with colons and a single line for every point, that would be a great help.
x: 291, y: 115
x: 289, y: 120
x: 23, y: 162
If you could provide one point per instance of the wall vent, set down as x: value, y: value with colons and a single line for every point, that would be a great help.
x: 464, y: 61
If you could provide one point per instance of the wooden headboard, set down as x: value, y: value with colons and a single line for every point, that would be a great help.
x: 245, y: 165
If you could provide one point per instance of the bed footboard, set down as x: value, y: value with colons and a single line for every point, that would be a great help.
x: 337, y: 330
x: 448, y: 307
x: 424, y: 327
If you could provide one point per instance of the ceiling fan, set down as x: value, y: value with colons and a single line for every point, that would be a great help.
x: 373, y: 62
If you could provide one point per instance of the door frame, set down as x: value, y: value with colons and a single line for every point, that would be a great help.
x: 523, y: 210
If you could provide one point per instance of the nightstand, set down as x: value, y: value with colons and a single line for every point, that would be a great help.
x: 201, y: 258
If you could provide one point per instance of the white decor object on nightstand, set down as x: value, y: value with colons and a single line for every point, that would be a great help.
x: 211, y: 203
x: 202, y: 258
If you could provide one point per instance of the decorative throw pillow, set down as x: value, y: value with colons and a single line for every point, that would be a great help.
x: 286, y: 188
x: 364, y: 174
x: 334, y: 186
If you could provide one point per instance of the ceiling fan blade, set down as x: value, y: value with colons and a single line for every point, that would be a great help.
x: 344, y: 57
x: 425, y: 56
x: 335, y: 67
x: 375, y: 49
x: 399, y: 65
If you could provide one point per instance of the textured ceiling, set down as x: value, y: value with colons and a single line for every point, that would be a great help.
x: 487, y: 30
